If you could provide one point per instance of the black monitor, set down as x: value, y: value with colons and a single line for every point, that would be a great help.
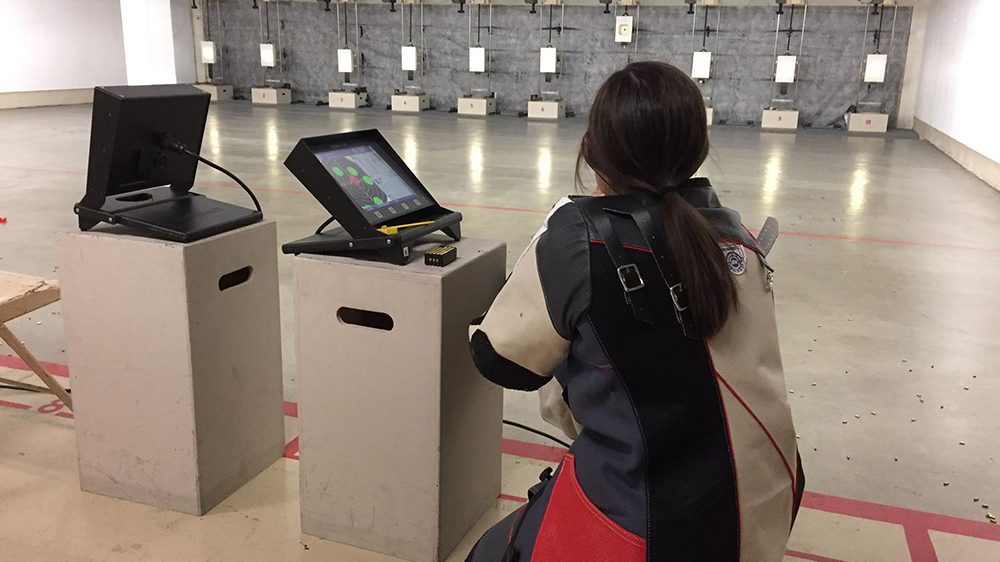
x: 127, y: 126
x: 135, y: 180
x: 365, y: 186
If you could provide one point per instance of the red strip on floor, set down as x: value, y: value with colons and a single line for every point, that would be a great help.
x: 843, y: 238
x: 901, y: 516
x: 532, y: 450
x: 14, y: 362
x: 807, y: 556
x: 918, y: 541
x: 15, y: 405
x: 915, y: 523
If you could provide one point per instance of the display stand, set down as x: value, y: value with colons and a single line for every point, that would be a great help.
x: 478, y: 106
x: 396, y: 248
x: 410, y: 103
x: 271, y: 96
x: 867, y: 122
x: 348, y: 99
x: 546, y: 109
x: 779, y: 119
x: 219, y: 92
x: 399, y: 435
x: 175, y: 356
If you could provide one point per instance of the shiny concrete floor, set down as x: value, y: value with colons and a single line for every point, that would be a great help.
x: 886, y: 272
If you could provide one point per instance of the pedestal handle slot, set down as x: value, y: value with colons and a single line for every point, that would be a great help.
x: 234, y: 278
x: 366, y: 318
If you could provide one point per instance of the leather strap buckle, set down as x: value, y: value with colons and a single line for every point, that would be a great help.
x: 679, y: 297
x: 630, y: 278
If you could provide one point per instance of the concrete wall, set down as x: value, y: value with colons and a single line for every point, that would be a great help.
x: 829, y: 69
x: 960, y: 82
x: 56, y: 51
x: 159, y: 41
x: 60, y: 44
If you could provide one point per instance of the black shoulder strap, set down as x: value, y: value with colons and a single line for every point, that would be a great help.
x: 628, y: 271
x: 646, y: 213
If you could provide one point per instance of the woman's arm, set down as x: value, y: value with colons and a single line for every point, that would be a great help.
x: 527, y: 332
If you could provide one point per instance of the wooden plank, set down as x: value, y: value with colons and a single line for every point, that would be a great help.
x: 22, y: 352
x: 21, y: 294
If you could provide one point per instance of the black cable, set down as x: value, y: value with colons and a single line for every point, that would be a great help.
x: 479, y: 22
x: 536, y: 432
x: 704, y: 32
x: 325, y: 224
x: 411, y: 24
x: 791, y: 19
x: 169, y: 144
x: 550, y: 24
x: 878, y: 34
x: 267, y: 20
x: 231, y: 175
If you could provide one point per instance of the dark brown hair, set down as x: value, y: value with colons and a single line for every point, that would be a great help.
x: 647, y: 132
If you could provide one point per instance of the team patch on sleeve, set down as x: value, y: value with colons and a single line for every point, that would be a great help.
x: 736, y: 258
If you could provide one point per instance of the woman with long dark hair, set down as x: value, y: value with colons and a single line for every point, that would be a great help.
x: 645, y: 316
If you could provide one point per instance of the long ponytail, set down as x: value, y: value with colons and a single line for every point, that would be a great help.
x: 647, y: 133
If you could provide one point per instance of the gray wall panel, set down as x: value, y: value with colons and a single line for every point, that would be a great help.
x: 740, y: 89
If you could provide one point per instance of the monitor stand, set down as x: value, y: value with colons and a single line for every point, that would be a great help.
x: 395, y: 248
x: 162, y: 212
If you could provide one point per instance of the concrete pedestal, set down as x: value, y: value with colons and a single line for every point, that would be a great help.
x: 411, y: 102
x: 348, y: 100
x: 867, y: 122
x: 219, y: 92
x: 779, y: 119
x: 175, y: 355
x: 399, y: 434
x: 477, y: 106
x: 546, y: 109
x: 271, y: 96
x: 710, y: 115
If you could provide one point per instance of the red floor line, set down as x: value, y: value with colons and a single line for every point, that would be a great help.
x: 792, y: 233
x: 909, y: 518
x: 223, y: 185
x: 888, y: 241
x: 919, y: 542
x: 532, y: 450
x: 495, y: 208
x: 517, y: 499
x: 292, y: 449
x: 807, y: 556
x: 901, y: 516
x: 15, y: 405
x: 15, y: 362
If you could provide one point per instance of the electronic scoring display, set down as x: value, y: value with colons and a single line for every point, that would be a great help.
x: 372, y: 184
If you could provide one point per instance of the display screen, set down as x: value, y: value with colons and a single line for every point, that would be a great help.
x: 374, y: 187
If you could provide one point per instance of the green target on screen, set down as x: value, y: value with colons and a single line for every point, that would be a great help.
x: 368, y: 180
x: 352, y: 170
x: 338, y: 172
x: 377, y: 200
